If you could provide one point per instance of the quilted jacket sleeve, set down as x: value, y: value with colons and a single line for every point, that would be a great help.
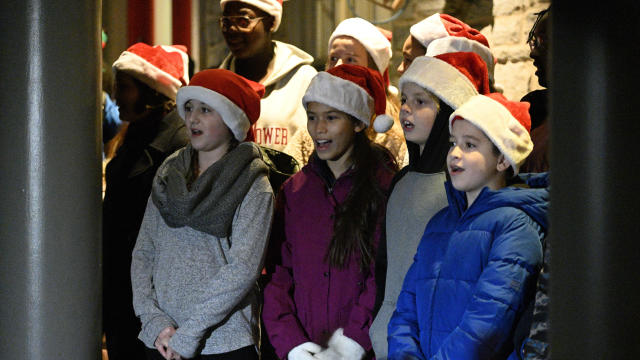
x: 499, y: 297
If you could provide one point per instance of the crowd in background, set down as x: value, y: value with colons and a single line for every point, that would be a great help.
x: 267, y: 210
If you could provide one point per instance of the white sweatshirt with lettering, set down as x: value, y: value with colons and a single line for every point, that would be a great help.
x: 282, y: 115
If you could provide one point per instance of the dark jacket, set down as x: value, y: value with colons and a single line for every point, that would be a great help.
x: 128, y: 177
x: 306, y: 299
x: 472, y: 277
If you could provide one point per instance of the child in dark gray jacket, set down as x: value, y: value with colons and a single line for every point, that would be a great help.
x: 204, y: 234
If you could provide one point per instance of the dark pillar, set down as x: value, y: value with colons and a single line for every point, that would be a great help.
x: 50, y: 280
x: 595, y: 214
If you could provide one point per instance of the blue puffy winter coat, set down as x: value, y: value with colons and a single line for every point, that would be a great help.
x: 472, y: 276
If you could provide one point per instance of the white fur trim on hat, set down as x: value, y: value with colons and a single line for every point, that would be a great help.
x: 452, y: 44
x: 500, y: 126
x: 428, y: 30
x: 152, y: 76
x: 376, y: 44
x: 233, y: 116
x: 340, y: 94
x: 441, y: 79
x: 271, y: 7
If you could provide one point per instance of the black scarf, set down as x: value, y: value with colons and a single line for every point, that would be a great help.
x: 210, y: 204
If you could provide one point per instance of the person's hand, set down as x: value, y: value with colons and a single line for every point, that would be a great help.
x: 174, y: 355
x: 304, y: 351
x: 162, y: 343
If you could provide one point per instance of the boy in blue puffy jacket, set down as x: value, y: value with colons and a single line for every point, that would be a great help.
x: 476, y: 265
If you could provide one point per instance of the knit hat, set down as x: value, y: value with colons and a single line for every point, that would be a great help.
x: 442, y: 33
x: 376, y: 43
x: 271, y: 7
x: 506, y: 123
x: 235, y: 98
x: 453, y: 78
x: 352, y: 89
x: 162, y: 68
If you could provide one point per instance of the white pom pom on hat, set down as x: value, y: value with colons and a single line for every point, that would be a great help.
x: 354, y: 90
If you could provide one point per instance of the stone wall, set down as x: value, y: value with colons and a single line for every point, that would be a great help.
x: 505, y: 23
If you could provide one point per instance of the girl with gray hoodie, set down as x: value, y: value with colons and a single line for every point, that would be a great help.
x: 202, y: 242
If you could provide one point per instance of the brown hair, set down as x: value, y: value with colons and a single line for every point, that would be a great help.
x: 150, y: 100
x: 357, y: 217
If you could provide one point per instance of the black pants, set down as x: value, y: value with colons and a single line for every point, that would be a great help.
x: 245, y: 353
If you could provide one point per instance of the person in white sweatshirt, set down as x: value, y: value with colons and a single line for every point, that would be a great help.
x: 285, y: 71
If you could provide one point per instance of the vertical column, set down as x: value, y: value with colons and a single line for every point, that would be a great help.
x: 595, y: 218
x: 181, y: 25
x: 50, y: 280
x: 140, y: 21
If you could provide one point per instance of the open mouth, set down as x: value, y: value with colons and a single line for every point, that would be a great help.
x: 407, y: 125
x: 235, y: 42
x: 196, y: 132
x: 322, y: 144
x: 455, y: 170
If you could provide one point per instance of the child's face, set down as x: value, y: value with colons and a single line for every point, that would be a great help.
x: 347, y: 50
x: 207, y: 131
x: 417, y: 113
x: 472, y: 162
x: 332, y: 131
x: 411, y: 49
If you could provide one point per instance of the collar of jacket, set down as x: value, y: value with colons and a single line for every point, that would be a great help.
x: 163, y: 142
x: 321, y: 168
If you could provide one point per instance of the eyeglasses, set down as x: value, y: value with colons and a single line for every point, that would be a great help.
x: 534, y: 41
x: 241, y: 22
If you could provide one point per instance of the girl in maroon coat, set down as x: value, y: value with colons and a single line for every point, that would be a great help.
x: 319, y: 301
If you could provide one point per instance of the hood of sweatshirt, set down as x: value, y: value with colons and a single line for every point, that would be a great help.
x: 286, y: 58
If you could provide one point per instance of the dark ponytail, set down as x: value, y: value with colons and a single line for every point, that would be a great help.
x: 356, y: 218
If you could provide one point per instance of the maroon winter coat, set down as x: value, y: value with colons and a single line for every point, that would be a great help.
x: 306, y: 299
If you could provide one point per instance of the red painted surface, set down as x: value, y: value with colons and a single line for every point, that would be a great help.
x: 140, y: 21
x: 182, y: 23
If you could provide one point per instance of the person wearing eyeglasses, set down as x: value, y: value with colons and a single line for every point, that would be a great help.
x: 531, y: 340
x: 285, y: 70
x: 538, y: 42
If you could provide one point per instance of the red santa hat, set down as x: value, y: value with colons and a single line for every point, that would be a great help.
x: 506, y: 123
x: 162, y: 68
x: 442, y: 33
x: 354, y: 90
x: 372, y: 38
x: 271, y: 7
x: 453, y: 78
x: 235, y: 98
